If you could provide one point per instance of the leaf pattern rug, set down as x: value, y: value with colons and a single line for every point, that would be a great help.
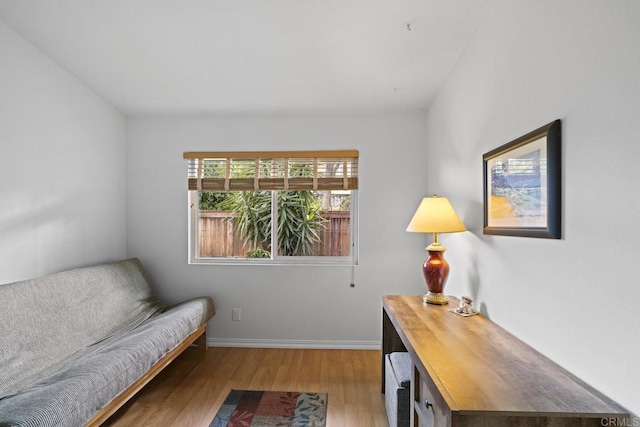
x: 252, y: 408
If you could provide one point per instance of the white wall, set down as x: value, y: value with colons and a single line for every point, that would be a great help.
x: 62, y: 168
x: 283, y: 305
x: 528, y: 63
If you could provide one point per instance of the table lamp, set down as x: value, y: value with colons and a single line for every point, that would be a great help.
x: 435, y: 215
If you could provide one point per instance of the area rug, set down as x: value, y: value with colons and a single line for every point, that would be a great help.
x: 251, y: 408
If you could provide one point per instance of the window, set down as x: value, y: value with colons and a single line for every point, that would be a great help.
x: 287, y: 207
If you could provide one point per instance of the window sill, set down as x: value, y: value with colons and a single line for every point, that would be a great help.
x: 314, y: 262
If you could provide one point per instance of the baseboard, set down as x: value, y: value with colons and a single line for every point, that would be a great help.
x: 306, y: 344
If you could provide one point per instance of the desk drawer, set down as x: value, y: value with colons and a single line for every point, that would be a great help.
x: 430, y: 408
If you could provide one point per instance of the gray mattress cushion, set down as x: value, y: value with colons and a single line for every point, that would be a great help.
x: 47, y: 322
x: 74, y: 394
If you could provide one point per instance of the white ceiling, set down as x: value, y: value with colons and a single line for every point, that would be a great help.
x: 252, y: 56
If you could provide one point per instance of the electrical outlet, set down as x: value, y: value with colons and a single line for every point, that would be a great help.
x: 235, y: 314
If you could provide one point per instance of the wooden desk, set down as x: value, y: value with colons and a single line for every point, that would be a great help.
x: 470, y: 372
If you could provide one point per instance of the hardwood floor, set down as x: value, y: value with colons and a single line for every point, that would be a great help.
x: 188, y: 393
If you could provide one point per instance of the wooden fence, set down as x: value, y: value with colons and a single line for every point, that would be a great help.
x: 218, y: 239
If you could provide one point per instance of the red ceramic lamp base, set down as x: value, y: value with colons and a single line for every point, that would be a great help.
x: 436, y: 271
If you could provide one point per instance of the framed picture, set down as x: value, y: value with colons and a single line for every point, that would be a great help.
x: 522, y: 185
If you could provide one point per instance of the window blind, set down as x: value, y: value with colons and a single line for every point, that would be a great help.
x: 272, y: 170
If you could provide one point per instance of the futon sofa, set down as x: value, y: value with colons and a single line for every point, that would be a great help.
x: 76, y: 345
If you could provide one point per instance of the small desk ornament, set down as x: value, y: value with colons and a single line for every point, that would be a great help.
x: 465, y: 308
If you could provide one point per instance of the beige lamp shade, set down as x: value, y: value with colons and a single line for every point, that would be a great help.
x: 435, y: 215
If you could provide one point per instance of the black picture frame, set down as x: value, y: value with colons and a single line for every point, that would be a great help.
x: 522, y: 185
